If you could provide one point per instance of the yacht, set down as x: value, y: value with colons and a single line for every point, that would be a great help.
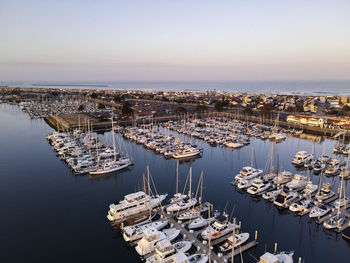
x: 201, y: 222
x: 298, y: 182
x: 152, y: 236
x: 193, y: 213
x: 247, y: 173
x: 301, y: 157
x: 198, y: 258
x: 301, y: 207
x: 165, y: 249
x: 111, y: 167
x: 244, y: 183
x: 324, y: 193
x: 186, y: 153
x: 133, y: 204
x: 319, y: 211
x: 335, y: 221
x: 229, y: 243
x: 182, y: 205
x: 272, y: 195
x: 219, y: 228
x: 285, y: 199
x: 132, y: 233
x: 310, y: 189
x: 259, y: 186
x: 283, y: 178
x: 318, y: 166
x: 234, y: 145
x: 343, y: 201
x: 281, y: 257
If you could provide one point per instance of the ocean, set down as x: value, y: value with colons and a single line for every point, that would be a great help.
x: 316, y: 88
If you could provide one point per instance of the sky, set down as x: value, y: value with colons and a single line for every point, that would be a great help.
x: 177, y: 40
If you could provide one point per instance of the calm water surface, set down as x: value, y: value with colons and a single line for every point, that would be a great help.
x: 50, y: 215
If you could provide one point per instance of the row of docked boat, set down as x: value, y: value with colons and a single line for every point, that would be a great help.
x: 168, y: 145
x: 225, y: 132
x: 161, y: 235
x: 85, y: 153
x: 330, y: 166
x: 296, y: 193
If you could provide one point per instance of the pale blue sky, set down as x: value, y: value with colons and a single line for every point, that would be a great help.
x: 175, y: 40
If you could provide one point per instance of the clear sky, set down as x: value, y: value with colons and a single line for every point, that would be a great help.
x: 174, y: 40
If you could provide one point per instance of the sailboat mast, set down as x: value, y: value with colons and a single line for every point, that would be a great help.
x: 177, y: 176
x: 190, y: 190
x: 115, y: 157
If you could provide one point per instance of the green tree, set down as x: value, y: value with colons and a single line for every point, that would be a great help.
x: 101, y: 106
x: 218, y: 106
x: 180, y: 110
x: 126, y: 109
x: 94, y: 95
x: 201, y: 107
x: 248, y: 110
x: 266, y: 109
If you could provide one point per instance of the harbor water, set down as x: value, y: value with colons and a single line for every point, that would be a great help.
x: 50, y: 215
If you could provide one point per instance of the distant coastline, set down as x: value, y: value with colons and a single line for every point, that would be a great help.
x: 299, y: 88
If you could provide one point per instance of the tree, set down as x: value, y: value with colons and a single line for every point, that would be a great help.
x: 94, y: 95
x: 101, y: 106
x: 201, y: 107
x: 266, y: 109
x: 117, y: 98
x: 126, y: 109
x: 248, y: 110
x: 218, y: 106
x: 81, y: 107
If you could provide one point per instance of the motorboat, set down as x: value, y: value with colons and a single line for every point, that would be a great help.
x: 182, y: 205
x: 271, y: 195
x: 132, y: 233
x: 300, y: 158
x: 335, y: 221
x: 133, y: 204
x: 285, y: 198
x: 318, y: 166
x: 152, y: 236
x: 283, y: 178
x: 234, y: 145
x: 111, y: 167
x: 164, y: 249
x: 247, y: 173
x: 198, y: 258
x: 201, y: 222
x: 324, y: 193
x: 310, y: 189
x: 259, y: 186
x: 270, y: 176
x: 333, y: 170
x: 186, y: 153
x: 341, y: 202
x: 219, y: 228
x: 193, y: 213
x: 229, y: 243
x: 281, y: 257
x: 298, y: 182
x: 301, y: 207
x: 244, y: 183
x: 319, y: 211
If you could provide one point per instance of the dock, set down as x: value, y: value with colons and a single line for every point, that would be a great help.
x: 202, y: 246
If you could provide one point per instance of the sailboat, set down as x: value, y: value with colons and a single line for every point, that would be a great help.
x: 184, y: 203
x: 114, y: 165
x: 339, y: 219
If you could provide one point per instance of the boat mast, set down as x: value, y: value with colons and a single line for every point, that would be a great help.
x: 115, y: 157
x: 190, y: 190
x: 177, y: 176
